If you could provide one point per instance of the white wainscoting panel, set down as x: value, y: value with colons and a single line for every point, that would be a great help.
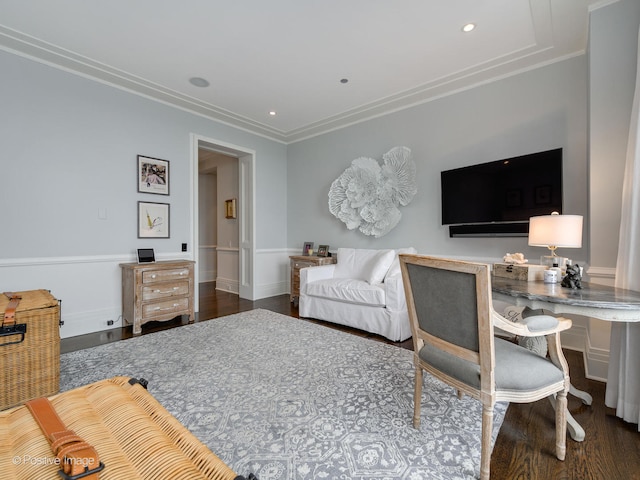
x: 227, y: 278
x: 207, y: 263
x: 272, y: 272
x: 89, y: 287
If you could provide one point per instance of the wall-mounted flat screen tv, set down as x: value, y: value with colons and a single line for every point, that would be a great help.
x: 507, y: 190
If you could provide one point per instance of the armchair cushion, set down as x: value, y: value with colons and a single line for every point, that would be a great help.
x: 516, y: 367
x: 536, y: 320
x: 363, y: 264
x: 348, y: 290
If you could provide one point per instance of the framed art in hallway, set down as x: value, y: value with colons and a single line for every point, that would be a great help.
x: 153, y: 220
x: 153, y: 175
x: 230, y: 208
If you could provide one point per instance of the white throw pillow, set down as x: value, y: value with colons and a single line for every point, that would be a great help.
x: 394, y: 269
x: 363, y: 264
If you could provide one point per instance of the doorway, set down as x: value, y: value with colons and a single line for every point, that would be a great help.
x: 244, y: 211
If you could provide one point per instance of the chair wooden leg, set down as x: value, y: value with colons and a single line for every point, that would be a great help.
x: 485, y: 452
x: 417, y: 397
x: 561, y: 425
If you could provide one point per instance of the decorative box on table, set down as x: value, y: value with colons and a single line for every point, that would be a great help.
x: 29, y: 348
x: 531, y: 273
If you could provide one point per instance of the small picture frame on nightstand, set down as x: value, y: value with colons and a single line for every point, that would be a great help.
x: 308, y: 246
x: 323, y: 250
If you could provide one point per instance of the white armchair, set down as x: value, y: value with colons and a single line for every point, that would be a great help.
x: 363, y: 290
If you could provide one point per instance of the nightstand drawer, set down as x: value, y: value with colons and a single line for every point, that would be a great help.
x: 164, y: 275
x: 165, y: 307
x: 164, y: 290
x: 298, y: 264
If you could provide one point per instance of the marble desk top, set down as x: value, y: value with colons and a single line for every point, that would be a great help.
x: 608, y: 303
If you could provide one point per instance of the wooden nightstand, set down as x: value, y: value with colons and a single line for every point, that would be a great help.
x: 303, y: 261
x: 156, y: 291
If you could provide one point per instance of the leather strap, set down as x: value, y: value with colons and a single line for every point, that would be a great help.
x: 77, y: 458
x: 10, y: 310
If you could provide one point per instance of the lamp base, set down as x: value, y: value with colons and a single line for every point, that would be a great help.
x: 549, y: 260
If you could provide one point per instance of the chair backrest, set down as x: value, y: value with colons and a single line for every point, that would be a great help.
x: 449, y: 304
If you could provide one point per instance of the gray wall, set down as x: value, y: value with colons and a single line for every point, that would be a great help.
x: 533, y: 111
x: 68, y: 148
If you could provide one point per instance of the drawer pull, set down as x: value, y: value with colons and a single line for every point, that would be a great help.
x: 158, y: 309
x: 159, y: 290
x: 153, y: 276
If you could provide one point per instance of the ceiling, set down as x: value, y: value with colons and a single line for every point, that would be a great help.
x: 289, y: 56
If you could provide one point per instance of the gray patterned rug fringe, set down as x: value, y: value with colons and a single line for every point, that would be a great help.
x: 288, y: 399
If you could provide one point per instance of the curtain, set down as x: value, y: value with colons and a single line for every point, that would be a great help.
x: 623, y: 387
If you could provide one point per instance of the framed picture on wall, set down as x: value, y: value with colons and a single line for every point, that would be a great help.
x: 230, y: 208
x: 153, y: 220
x: 153, y: 175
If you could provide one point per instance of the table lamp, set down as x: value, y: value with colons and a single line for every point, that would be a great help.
x: 553, y: 231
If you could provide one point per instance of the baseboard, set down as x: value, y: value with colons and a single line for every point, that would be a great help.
x: 272, y: 290
x: 227, y: 285
x: 90, y: 321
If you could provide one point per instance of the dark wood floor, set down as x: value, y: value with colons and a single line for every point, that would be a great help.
x: 526, y: 443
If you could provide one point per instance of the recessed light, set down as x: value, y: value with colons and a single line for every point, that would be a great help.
x: 273, y: 113
x: 469, y: 27
x: 199, y: 82
x: 344, y: 80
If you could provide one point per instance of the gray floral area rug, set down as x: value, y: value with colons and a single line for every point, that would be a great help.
x: 287, y: 399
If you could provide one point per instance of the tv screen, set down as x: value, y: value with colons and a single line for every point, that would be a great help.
x: 508, y: 190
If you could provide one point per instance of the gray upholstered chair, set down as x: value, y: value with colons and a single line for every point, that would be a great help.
x: 452, y: 322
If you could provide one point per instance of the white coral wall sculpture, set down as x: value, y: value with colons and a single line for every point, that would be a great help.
x: 367, y: 195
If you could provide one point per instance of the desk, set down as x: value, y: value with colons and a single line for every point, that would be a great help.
x: 597, y: 301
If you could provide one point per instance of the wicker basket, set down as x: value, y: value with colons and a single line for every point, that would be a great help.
x: 134, y: 436
x: 31, y: 368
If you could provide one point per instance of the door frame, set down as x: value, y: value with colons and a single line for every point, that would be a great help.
x: 245, y: 211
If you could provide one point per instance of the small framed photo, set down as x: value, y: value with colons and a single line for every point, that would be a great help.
x: 153, y: 175
x: 308, y: 248
x: 323, y: 250
x: 230, y: 208
x: 153, y: 220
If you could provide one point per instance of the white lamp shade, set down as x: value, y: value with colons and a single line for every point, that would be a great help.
x: 556, y: 231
